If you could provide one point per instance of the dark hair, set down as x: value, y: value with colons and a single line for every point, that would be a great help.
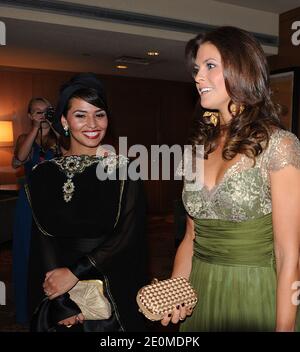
x: 90, y: 95
x: 85, y: 86
x: 246, y: 78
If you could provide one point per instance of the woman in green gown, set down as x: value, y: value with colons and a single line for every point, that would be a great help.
x: 241, y: 247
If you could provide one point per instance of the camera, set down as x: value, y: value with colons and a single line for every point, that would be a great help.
x: 50, y: 114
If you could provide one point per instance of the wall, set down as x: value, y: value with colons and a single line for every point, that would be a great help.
x: 289, y: 57
x: 288, y: 54
x: 146, y: 111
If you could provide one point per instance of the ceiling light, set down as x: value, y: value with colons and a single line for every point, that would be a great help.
x: 153, y: 53
x: 122, y: 67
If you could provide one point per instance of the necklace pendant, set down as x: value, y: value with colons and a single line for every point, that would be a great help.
x: 68, y: 189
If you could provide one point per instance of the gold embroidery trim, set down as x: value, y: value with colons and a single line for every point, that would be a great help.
x: 120, y: 201
x: 33, y: 215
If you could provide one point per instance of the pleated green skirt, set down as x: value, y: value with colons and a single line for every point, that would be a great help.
x: 233, y: 272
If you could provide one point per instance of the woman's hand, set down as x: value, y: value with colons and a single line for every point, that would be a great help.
x: 37, y: 118
x: 58, y: 282
x: 75, y: 319
x: 178, y: 314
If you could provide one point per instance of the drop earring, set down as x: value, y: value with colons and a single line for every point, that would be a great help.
x: 235, y: 109
x: 67, y: 133
x: 213, y: 115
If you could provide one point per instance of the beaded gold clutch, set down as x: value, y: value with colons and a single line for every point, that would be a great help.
x: 89, y: 296
x: 163, y: 296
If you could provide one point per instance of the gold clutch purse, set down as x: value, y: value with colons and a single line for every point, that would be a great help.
x: 163, y: 296
x: 88, y: 295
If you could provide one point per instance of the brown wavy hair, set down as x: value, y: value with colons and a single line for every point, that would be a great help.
x: 246, y: 76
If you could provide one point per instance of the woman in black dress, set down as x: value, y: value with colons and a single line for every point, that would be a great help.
x: 84, y: 227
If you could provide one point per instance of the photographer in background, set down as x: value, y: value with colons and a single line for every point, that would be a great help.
x: 42, y: 139
x: 41, y: 143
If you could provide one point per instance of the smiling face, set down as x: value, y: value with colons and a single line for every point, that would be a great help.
x: 87, y: 126
x: 210, y: 79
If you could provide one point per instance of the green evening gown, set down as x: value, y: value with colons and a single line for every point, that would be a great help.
x: 233, y: 266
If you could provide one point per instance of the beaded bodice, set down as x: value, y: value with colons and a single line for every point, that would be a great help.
x: 244, y: 192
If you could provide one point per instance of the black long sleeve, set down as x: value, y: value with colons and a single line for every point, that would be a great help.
x: 126, y: 236
x: 45, y: 248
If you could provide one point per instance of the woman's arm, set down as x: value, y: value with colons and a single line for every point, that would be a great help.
x: 126, y: 242
x: 44, y: 256
x: 183, y: 259
x: 285, y: 193
x: 182, y: 268
x: 25, y: 142
x: 23, y: 148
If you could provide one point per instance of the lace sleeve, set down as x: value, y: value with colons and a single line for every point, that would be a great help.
x: 284, y: 150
